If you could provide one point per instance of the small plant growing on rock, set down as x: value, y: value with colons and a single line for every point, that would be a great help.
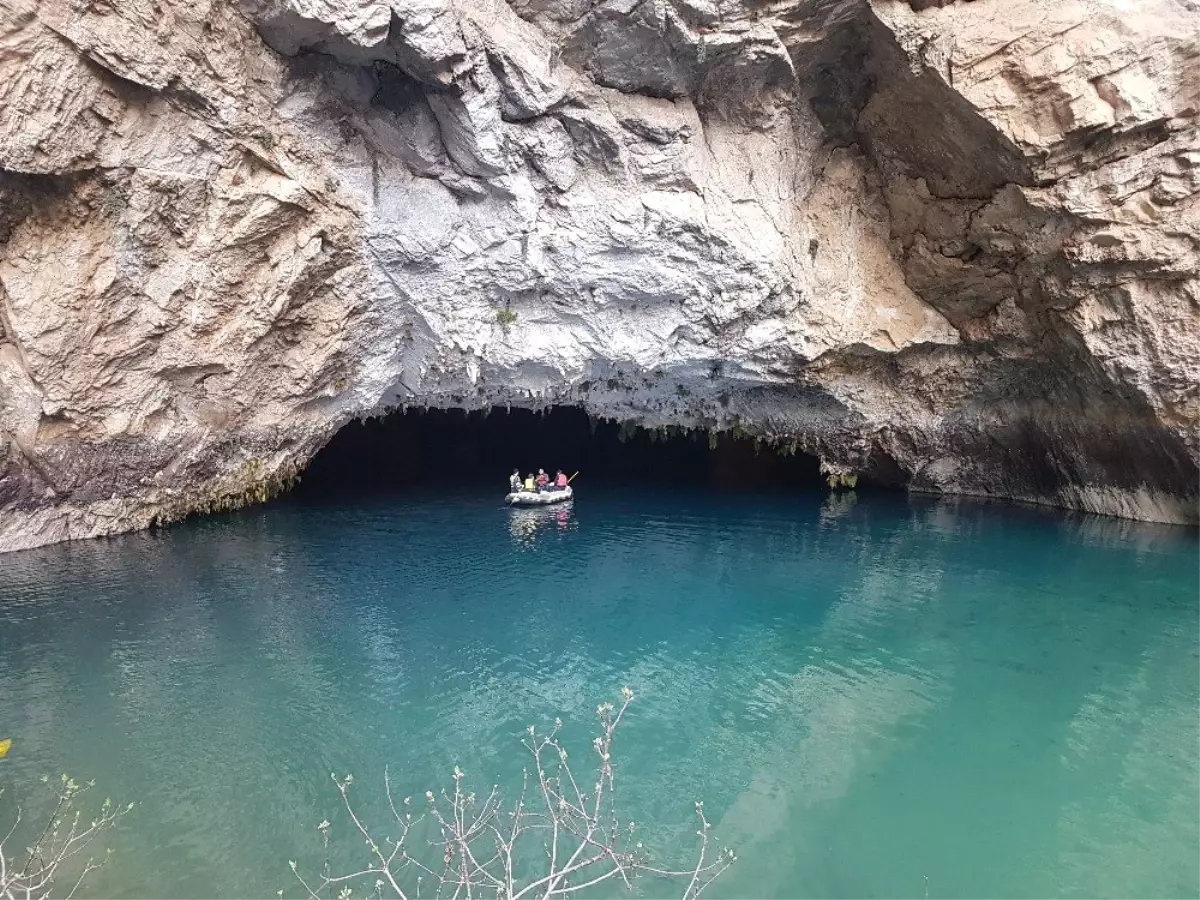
x: 561, y: 835
x: 264, y: 137
x: 114, y: 201
x: 505, y: 318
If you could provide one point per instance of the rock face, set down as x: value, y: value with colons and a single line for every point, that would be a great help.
x: 952, y: 245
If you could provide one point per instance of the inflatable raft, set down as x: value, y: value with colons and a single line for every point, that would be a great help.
x: 534, y: 498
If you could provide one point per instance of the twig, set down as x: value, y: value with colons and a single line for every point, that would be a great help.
x: 566, y: 814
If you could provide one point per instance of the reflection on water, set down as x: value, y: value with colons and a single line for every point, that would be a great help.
x: 526, y: 523
x: 867, y: 692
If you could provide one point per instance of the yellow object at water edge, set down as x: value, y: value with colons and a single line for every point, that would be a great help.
x: 4, y: 745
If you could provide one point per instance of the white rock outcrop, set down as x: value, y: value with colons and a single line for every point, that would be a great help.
x: 952, y: 245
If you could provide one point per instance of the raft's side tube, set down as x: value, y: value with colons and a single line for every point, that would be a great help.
x: 534, y: 498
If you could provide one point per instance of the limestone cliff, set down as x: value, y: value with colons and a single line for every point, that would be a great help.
x: 952, y: 245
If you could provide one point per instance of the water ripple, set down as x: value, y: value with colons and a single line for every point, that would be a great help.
x: 859, y: 691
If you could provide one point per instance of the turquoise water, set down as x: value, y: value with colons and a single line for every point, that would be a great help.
x: 887, y: 697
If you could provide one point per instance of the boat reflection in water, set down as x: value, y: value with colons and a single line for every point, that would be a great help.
x: 528, y: 524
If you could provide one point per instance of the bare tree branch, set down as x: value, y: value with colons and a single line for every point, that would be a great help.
x: 64, y: 836
x: 488, y: 848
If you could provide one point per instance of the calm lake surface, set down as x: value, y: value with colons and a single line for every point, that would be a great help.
x: 874, y: 697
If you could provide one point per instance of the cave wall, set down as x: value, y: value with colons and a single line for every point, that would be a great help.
x: 958, y: 240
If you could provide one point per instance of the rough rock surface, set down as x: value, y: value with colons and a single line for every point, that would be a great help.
x: 952, y: 245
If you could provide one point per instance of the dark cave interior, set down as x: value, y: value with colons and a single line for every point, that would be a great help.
x: 452, y: 446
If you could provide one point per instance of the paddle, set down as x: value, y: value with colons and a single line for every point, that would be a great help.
x: 572, y: 478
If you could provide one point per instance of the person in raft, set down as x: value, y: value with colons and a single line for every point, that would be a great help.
x: 514, y: 481
x: 529, y: 484
x: 560, y: 480
x: 542, y: 480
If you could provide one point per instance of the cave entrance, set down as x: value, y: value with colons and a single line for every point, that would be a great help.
x: 453, y: 446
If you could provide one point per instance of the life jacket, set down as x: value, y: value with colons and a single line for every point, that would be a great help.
x: 560, y: 481
x: 542, y: 479
x: 529, y: 484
